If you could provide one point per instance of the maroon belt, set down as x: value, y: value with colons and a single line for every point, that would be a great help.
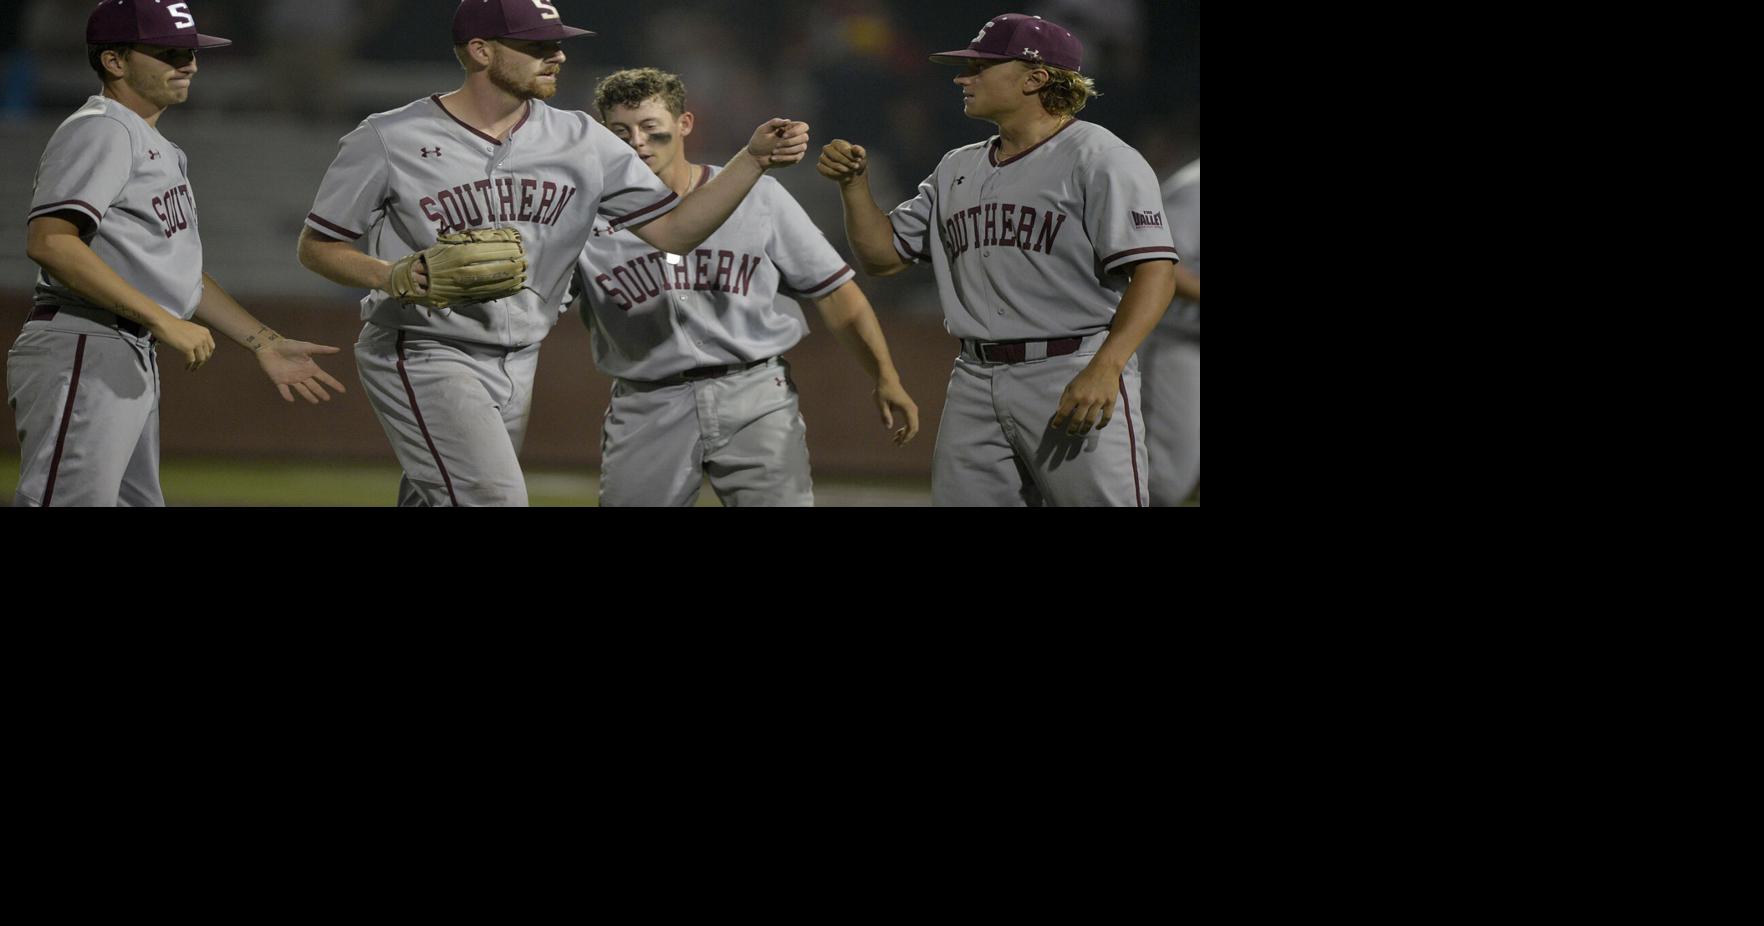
x: 1018, y: 351
x: 44, y: 313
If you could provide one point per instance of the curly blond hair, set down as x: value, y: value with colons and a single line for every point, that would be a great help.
x: 1066, y: 92
x: 632, y: 86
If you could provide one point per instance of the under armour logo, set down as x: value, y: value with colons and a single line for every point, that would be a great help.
x: 1032, y: 53
x: 437, y: 151
x: 779, y: 380
x: 152, y: 155
x: 960, y: 179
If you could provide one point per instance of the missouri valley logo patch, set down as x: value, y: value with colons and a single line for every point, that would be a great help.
x: 1148, y: 219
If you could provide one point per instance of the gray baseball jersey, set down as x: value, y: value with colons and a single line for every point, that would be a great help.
x: 1170, y: 360
x: 1031, y: 249
x: 657, y: 315
x: 1032, y: 246
x: 405, y: 177
x: 84, y: 394
x: 451, y: 387
x: 107, y: 164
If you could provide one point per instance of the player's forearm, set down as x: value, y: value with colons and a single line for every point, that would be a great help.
x: 1187, y: 283
x: 343, y: 264
x: 75, y: 265
x: 223, y: 313
x: 1142, y: 307
x: 705, y: 209
x: 868, y: 230
x: 849, y: 316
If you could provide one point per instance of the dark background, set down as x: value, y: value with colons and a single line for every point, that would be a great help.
x: 265, y: 114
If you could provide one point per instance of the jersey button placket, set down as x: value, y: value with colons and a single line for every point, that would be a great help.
x: 504, y: 308
x: 986, y: 187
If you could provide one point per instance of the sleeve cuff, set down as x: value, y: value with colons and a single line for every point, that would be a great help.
x: 652, y: 211
x: 68, y: 205
x: 843, y: 276
x: 1121, y: 259
x: 329, y: 228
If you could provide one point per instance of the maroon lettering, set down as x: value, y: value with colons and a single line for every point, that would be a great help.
x: 661, y: 272
x: 630, y: 286
x: 974, y: 217
x: 951, y: 239
x: 569, y: 193
x: 1007, y: 227
x: 701, y: 269
x: 545, y: 198
x: 451, y: 209
x: 725, y: 267
x: 640, y: 272
x: 1050, y: 229
x: 1025, y: 226
x: 434, y: 215
x: 991, y: 225
x: 680, y: 280
x: 468, y: 205
x: 505, y: 196
x: 527, y: 188
x: 617, y: 297
x: 744, y: 276
x: 482, y: 188
x: 169, y: 206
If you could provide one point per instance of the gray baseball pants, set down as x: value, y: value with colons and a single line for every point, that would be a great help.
x: 455, y: 413
x: 1170, y: 363
x: 742, y: 429
x: 85, y: 397
x: 996, y: 450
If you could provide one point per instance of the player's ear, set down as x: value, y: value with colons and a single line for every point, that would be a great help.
x: 115, y: 62
x: 686, y: 122
x: 1036, y: 78
x: 480, y: 52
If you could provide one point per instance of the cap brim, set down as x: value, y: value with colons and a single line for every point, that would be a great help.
x: 963, y: 56
x: 184, y: 41
x: 547, y: 33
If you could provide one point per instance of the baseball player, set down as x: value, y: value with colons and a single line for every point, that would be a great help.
x: 1052, y: 261
x: 694, y: 339
x: 113, y: 227
x: 1170, y: 357
x: 450, y: 376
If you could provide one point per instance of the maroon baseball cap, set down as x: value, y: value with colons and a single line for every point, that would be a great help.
x: 147, y: 22
x: 1015, y: 36
x: 536, y: 20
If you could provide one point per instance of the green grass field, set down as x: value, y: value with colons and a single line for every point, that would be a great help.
x: 220, y: 483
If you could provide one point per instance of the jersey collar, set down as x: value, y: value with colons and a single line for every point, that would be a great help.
x: 517, y: 126
x: 992, y: 149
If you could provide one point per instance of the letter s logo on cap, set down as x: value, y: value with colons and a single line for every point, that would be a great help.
x: 550, y: 11
x: 181, y: 13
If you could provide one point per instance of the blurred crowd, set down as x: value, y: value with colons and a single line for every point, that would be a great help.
x: 852, y: 68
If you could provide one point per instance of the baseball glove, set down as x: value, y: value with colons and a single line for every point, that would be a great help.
x: 470, y: 266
